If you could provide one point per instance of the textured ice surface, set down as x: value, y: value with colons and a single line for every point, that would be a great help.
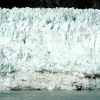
x: 49, y: 48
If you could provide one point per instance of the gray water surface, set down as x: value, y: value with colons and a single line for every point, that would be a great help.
x: 50, y: 95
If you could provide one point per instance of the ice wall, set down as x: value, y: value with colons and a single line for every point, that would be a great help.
x: 49, y: 48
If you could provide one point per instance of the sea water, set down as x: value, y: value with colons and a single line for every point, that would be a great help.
x: 50, y: 95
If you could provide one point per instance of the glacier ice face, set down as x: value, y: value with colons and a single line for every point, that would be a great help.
x: 49, y: 48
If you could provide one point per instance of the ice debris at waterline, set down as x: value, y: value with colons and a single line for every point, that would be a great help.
x: 49, y: 49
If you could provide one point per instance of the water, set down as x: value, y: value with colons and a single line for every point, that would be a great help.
x: 50, y: 95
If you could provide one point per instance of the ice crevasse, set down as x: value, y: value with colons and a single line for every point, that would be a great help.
x: 49, y: 49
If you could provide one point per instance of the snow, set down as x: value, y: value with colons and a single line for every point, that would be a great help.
x: 49, y: 48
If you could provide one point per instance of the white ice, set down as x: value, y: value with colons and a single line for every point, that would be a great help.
x: 49, y: 48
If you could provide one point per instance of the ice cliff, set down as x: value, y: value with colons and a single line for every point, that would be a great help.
x: 49, y: 49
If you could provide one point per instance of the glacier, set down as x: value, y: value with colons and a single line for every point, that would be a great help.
x: 49, y: 49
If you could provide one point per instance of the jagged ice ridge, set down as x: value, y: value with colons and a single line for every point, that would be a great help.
x: 49, y: 49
